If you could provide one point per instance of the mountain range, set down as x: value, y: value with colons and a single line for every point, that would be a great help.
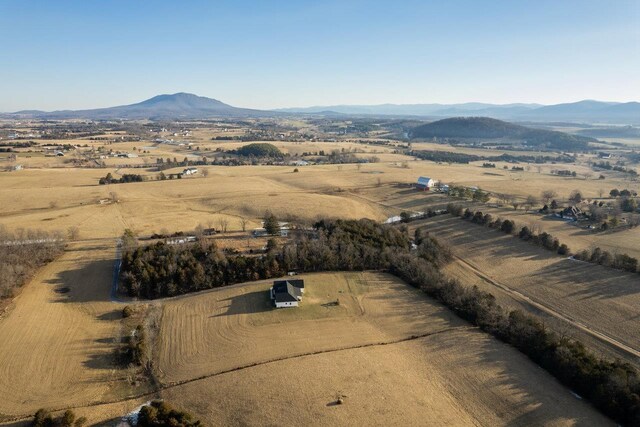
x: 582, y: 111
x: 189, y: 106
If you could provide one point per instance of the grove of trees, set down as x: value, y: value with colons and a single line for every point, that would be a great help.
x: 44, y: 418
x: 159, y: 414
x: 109, y: 179
x: 259, y: 149
x: 22, y: 253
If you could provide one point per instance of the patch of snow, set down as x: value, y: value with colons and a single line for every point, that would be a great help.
x: 131, y: 419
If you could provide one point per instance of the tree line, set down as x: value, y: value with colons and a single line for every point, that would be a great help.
x: 456, y: 157
x: 22, y: 253
x: 350, y: 245
x: 126, y: 178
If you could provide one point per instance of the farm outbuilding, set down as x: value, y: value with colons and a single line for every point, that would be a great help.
x: 425, y: 183
x: 189, y: 171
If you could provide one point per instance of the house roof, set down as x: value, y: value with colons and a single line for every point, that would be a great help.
x: 424, y: 179
x: 298, y: 283
x: 287, y: 290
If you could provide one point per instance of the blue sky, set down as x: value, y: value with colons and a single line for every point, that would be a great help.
x: 267, y: 54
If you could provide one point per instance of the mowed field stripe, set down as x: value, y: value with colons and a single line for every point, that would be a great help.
x: 14, y: 418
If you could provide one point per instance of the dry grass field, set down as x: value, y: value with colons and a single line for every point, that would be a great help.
x: 304, y: 359
x: 307, y: 357
x: 602, y: 299
x: 410, y: 383
x: 623, y: 240
x: 236, y: 326
x: 58, y: 335
x: 577, y: 237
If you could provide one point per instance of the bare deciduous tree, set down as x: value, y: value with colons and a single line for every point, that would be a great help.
x: 531, y: 202
x: 199, y: 231
x: 548, y: 195
x: 243, y: 223
x: 73, y: 232
x: 223, y: 224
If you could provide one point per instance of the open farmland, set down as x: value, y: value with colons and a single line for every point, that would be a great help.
x: 409, y: 383
x: 203, y: 337
x: 58, y: 335
x: 208, y: 334
x: 576, y: 236
x: 602, y: 300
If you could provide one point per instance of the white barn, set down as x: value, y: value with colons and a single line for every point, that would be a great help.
x: 425, y: 183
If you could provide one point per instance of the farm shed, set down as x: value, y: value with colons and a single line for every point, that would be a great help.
x: 425, y: 183
x: 190, y: 171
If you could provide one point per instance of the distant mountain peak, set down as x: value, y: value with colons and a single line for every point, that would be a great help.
x: 184, y: 99
x: 179, y: 105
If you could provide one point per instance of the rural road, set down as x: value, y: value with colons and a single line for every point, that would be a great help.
x: 545, y: 308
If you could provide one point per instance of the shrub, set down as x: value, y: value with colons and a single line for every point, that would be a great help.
x: 127, y: 311
x: 525, y: 233
x: 625, y: 262
x: 507, y: 226
x: 455, y: 210
x: 159, y: 413
x: 563, y: 249
x: 44, y: 418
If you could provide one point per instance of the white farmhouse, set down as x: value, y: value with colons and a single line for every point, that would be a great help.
x: 287, y: 293
x: 189, y: 171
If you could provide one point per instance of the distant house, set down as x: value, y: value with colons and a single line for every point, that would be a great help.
x: 299, y: 163
x: 262, y: 232
x: 189, y: 171
x: 425, y: 183
x: 180, y: 240
x: 572, y: 212
x: 287, y: 293
x: 604, y: 155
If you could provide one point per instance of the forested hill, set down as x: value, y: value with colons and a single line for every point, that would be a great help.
x: 487, y: 128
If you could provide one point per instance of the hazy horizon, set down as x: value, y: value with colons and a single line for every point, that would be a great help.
x: 84, y: 55
x: 324, y: 105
